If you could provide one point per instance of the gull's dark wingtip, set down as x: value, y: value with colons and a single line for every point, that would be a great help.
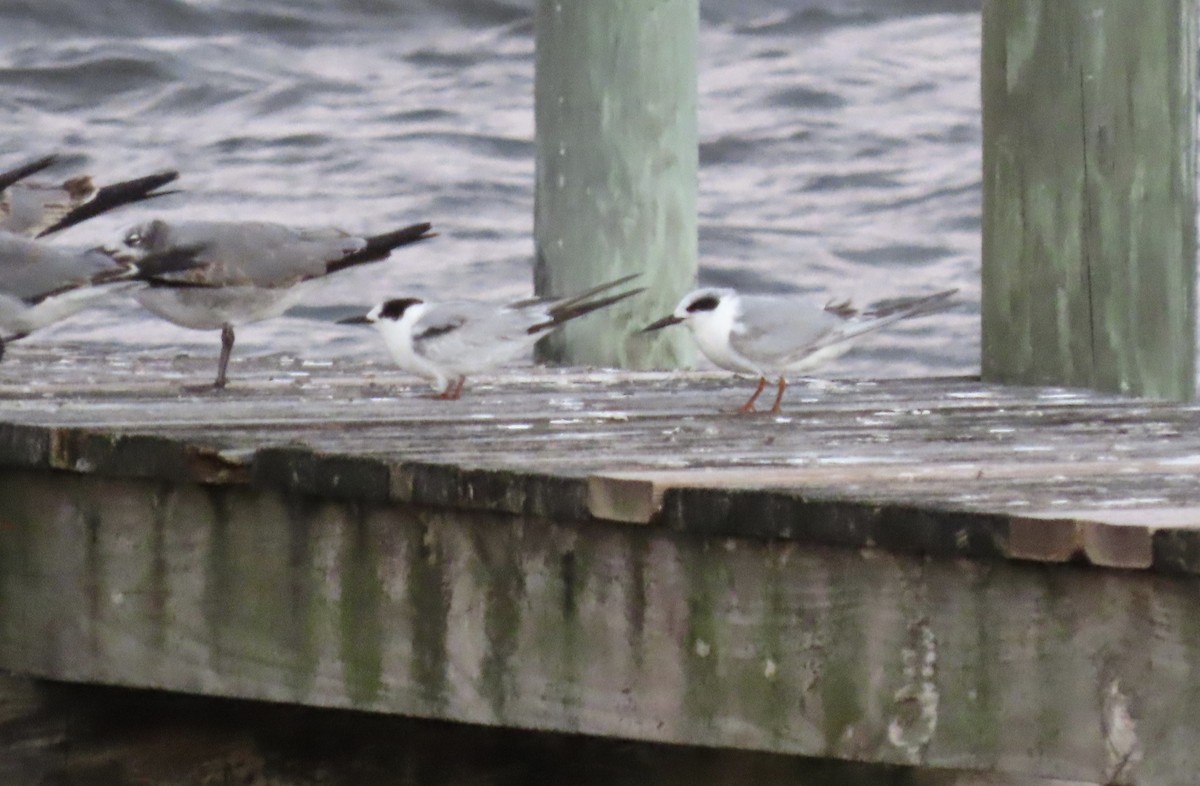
x: 117, y: 195
x: 576, y: 308
x: 23, y: 171
x: 378, y: 247
x: 389, y: 241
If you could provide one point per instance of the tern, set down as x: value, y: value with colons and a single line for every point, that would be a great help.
x: 776, y: 335
x: 249, y: 271
x: 42, y: 284
x: 446, y: 341
x: 35, y: 209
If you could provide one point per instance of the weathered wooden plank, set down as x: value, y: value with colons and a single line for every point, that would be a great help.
x: 647, y: 634
x: 841, y: 458
x: 528, y: 443
x: 636, y: 497
x: 962, y: 499
x: 617, y: 157
x: 1089, y: 193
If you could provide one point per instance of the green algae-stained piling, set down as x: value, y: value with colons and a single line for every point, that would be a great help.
x: 935, y: 573
x: 617, y: 157
x: 1089, y: 194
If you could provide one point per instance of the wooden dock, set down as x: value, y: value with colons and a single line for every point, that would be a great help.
x: 932, y: 572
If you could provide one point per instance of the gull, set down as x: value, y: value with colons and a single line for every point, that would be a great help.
x: 445, y: 341
x: 42, y: 284
x: 248, y: 271
x: 775, y: 335
x: 35, y: 209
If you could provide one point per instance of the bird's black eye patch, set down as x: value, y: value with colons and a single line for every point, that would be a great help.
x: 394, y: 309
x: 706, y: 303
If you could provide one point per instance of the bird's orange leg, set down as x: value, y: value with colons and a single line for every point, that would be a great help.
x: 451, y: 393
x: 779, y: 396
x: 748, y: 407
x: 456, y: 393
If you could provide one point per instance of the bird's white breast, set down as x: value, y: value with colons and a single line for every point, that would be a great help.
x: 398, y: 336
x: 712, y: 329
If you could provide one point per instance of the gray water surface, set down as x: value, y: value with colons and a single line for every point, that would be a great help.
x: 840, y: 147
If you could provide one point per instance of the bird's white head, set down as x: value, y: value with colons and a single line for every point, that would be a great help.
x: 396, y: 310
x: 389, y: 314
x: 697, y: 308
x: 703, y: 303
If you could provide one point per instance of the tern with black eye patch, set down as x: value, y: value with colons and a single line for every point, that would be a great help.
x: 444, y: 342
x: 777, y: 335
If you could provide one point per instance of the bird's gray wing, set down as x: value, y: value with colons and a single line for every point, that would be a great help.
x: 776, y: 330
x: 250, y: 253
x: 465, y: 335
x: 32, y: 271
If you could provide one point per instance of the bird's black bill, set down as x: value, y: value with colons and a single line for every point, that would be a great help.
x: 662, y: 323
x: 359, y: 320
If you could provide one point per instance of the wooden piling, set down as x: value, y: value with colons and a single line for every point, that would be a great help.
x: 616, y: 170
x: 1089, y: 198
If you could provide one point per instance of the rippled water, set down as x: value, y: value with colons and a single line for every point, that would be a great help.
x: 840, y: 146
